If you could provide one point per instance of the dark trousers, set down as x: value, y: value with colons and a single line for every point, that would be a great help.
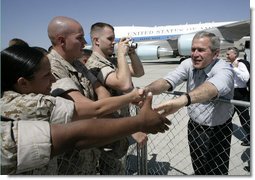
x: 243, y: 112
x: 210, y: 148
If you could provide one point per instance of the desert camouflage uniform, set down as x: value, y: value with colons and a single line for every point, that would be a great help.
x: 101, y: 68
x: 37, y: 107
x: 79, y: 74
x: 24, y: 145
x: 84, y: 161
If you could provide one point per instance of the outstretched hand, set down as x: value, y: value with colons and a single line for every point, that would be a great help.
x: 168, y: 107
x: 153, y: 122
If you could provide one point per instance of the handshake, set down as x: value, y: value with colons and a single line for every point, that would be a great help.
x: 151, y: 121
x: 165, y: 108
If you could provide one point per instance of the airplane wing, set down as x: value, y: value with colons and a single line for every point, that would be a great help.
x: 235, y: 31
x: 228, y: 35
x: 181, y: 45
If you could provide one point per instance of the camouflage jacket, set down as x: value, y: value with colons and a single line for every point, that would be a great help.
x: 83, y: 79
x: 101, y: 68
x: 36, y: 107
x: 25, y: 145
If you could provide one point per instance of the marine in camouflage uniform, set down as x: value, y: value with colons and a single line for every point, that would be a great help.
x: 101, y: 67
x: 84, y: 161
x: 110, y: 160
x: 31, y: 107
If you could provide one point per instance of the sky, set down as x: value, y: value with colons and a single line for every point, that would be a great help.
x: 28, y: 19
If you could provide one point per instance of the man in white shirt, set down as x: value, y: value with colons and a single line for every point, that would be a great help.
x: 241, y: 77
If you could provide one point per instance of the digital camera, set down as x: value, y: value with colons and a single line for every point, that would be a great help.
x: 132, y: 44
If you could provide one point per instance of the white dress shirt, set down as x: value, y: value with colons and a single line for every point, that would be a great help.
x: 241, y: 75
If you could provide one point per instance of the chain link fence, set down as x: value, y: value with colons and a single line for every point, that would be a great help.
x: 164, y: 154
x: 168, y: 153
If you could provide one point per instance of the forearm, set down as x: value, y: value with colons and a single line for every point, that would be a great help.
x: 86, y: 108
x: 109, y: 131
x: 109, y: 105
x: 101, y: 107
x: 203, y: 93
x: 85, y: 133
x: 157, y: 87
x: 136, y: 67
x: 101, y: 91
x: 123, y: 74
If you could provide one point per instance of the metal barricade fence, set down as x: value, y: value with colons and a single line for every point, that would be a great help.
x: 168, y: 153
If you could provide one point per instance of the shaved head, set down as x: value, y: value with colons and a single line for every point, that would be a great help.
x: 67, y: 37
x: 60, y: 26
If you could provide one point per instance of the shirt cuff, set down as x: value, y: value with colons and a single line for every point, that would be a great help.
x: 103, y: 74
x: 62, y: 112
x: 34, y: 145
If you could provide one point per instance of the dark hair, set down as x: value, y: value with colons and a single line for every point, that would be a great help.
x: 50, y: 48
x: 17, y: 41
x: 44, y: 51
x: 18, y: 61
x: 236, y: 51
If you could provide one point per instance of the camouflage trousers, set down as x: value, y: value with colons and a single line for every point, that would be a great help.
x: 113, y: 156
x: 77, y: 162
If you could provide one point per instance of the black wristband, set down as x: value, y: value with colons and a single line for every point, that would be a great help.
x: 189, y: 100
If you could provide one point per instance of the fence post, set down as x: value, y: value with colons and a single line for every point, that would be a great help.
x: 142, y: 160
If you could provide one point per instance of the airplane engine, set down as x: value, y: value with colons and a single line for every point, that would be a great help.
x: 152, y: 52
x: 184, y: 44
x: 148, y: 52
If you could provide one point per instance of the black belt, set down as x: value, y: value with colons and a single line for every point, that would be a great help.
x: 211, y: 127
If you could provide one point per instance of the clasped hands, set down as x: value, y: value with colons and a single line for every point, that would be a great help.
x: 165, y: 108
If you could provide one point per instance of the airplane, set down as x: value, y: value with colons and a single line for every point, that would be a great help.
x: 175, y: 40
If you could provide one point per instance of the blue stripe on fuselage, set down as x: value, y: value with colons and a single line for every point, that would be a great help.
x: 151, y: 38
x: 142, y: 38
